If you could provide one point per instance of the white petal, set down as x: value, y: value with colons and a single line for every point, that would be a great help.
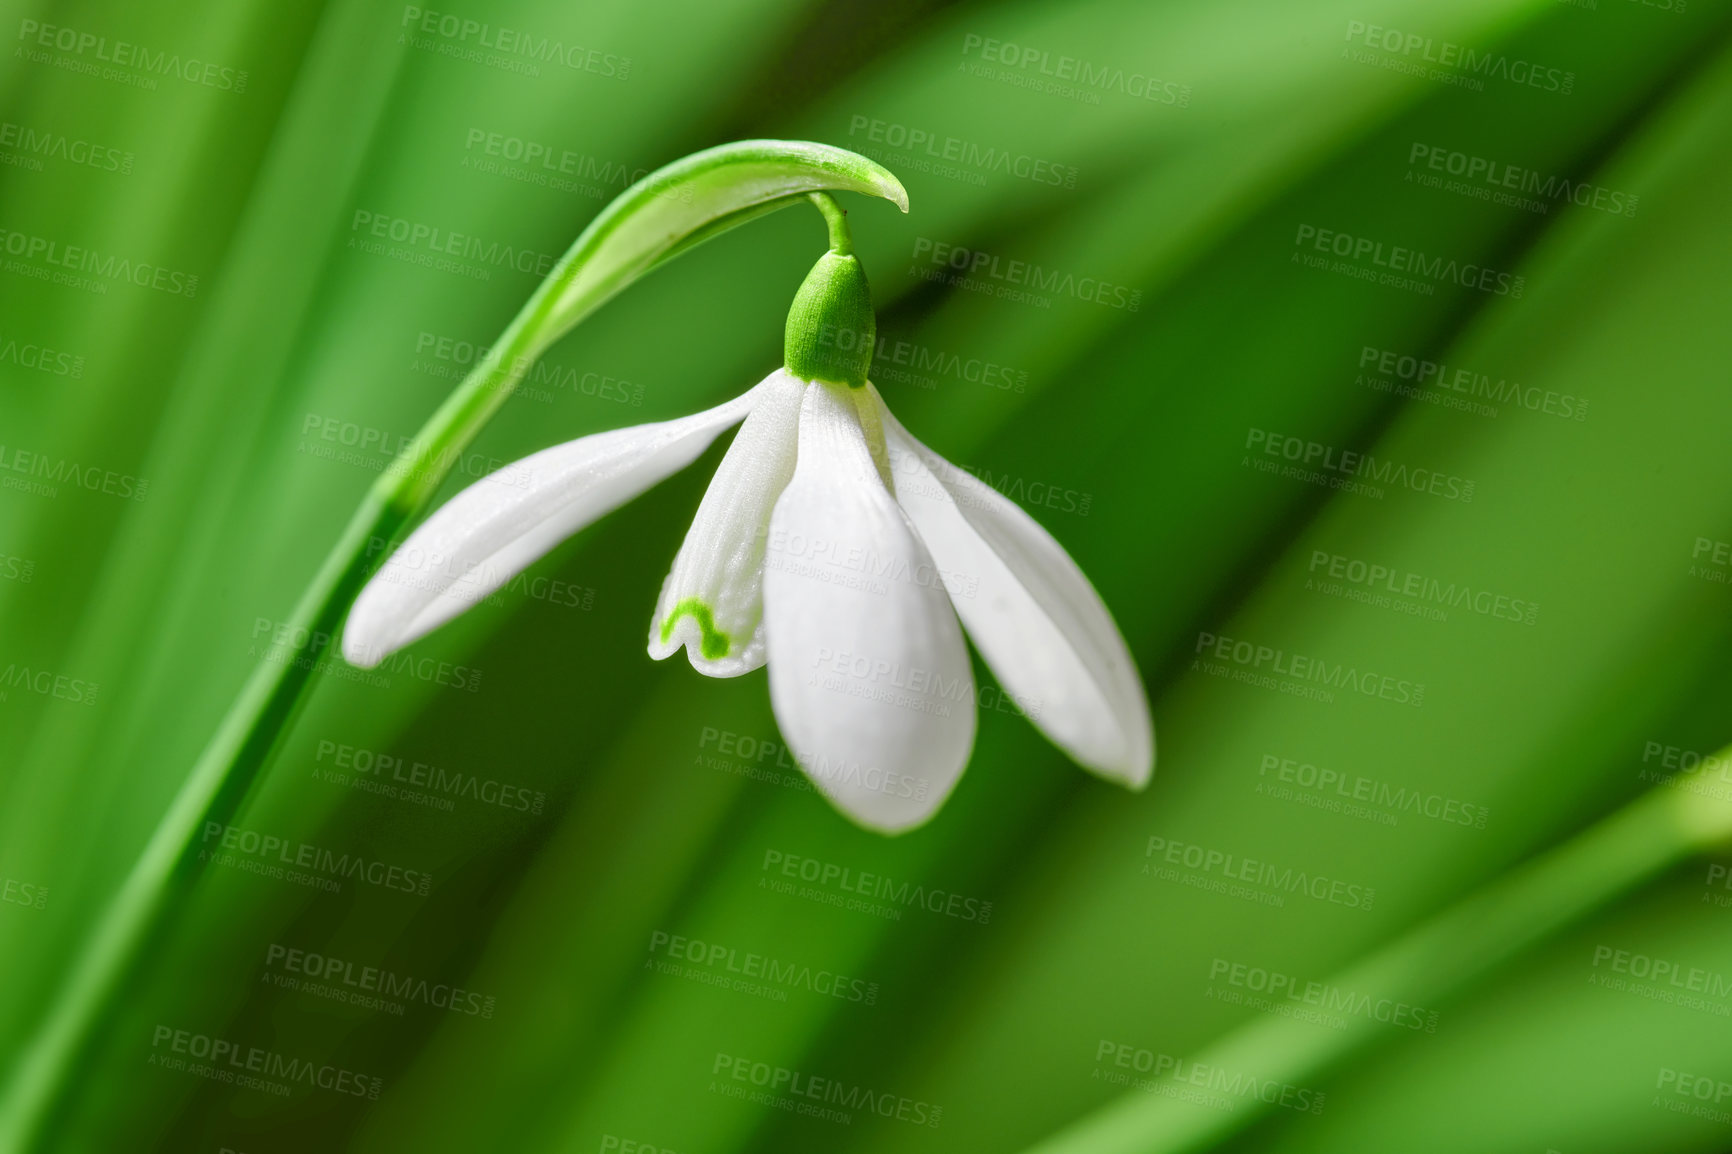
x: 497, y: 527
x: 713, y: 599
x: 869, y: 675
x: 1034, y: 617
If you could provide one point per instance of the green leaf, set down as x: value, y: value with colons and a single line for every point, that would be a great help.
x: 692, y: 200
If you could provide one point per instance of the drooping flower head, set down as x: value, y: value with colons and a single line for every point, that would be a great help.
x: 830, y: 546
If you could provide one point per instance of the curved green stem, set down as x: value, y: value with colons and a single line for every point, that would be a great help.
x: 841, y: 240
x: 656, y: 219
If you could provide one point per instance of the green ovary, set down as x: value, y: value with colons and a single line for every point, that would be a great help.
x: 715, y: 644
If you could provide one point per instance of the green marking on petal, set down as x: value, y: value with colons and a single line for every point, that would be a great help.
x: 715, y: 644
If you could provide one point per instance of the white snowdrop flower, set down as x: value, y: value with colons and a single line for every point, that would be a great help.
x: 827, y: 548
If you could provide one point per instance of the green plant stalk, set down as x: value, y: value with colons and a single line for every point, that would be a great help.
x: 662, y: 216
x: 1432, y: 962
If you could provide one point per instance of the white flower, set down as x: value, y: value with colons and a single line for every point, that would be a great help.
x: 832, y: 547
x: 839, y: 551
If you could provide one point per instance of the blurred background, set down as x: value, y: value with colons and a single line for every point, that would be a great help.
x: 1369, y: 355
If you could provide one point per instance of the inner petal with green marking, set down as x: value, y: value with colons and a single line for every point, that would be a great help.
x: 715, y: 644
x: 712, y: 603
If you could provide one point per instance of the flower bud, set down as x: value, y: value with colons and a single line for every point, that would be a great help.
x: 831, y: 329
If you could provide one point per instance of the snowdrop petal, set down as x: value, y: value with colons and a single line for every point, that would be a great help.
x: 1034, y: 617
x: 712, y: 602
x: 497, y: 527
x: 869, y: 675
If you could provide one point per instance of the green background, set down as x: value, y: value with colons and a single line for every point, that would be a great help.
x: 1133, y: 435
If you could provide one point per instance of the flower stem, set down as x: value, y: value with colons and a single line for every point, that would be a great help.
x: 661, y: 216
x: 836, y: 217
